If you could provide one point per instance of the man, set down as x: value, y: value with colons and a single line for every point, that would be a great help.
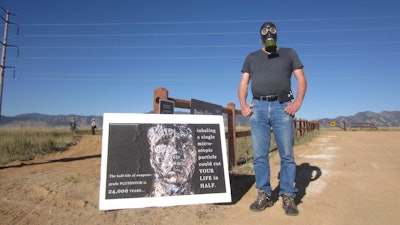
x: 270, y: 70
x: 93, y: 126
x: 73, y: 124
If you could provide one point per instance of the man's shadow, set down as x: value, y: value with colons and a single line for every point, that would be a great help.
x: 305, y: 174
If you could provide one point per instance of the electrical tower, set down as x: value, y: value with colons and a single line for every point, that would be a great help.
x: 3, y: 56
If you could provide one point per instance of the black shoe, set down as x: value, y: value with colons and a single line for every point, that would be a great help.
x: 289, y: 205
x: 262, y: 201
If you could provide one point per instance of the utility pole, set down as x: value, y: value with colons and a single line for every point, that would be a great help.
x: 3, y: 56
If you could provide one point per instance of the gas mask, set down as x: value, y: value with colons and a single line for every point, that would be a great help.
x: 269, y: 36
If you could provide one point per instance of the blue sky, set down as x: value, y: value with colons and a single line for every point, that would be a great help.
x: 96, y: 56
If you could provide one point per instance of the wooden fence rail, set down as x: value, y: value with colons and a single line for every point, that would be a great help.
x: 301, y: 126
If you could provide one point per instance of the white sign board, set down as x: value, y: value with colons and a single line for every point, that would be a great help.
x: 162, y: 160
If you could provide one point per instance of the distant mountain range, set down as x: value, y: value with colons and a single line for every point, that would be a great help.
x: 383, y: 119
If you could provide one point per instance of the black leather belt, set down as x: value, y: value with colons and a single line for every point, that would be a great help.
x: 269, y: 98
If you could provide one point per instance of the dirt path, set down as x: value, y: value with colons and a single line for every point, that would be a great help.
x: 343, y: 178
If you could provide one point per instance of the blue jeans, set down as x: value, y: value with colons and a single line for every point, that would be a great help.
x: 266, y: 115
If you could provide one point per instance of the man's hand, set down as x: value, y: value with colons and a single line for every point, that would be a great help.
x: 246, y: 110
x: 242, y: 94
x: 292, y: 108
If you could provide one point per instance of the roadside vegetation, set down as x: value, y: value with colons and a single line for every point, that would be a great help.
x: 28, y: 143
x: 18, y: 144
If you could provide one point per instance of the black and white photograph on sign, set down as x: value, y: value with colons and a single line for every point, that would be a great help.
x: 163, y: 160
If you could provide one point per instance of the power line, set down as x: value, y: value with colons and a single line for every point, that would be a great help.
x: 115, y: 77
x: 210, y: 33
x: 56, y: 74
x: 195, y: 57
x: 205, y: 46
x: 131, y: 57
x: 138, y: 47
x: 210, y: 21
x: 137, y: 35
x: 186, y: 77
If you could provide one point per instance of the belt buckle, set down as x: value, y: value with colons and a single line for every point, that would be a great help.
x: 267, y: 98
x: 270, y: 98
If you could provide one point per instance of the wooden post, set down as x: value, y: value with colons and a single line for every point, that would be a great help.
x: 232, y: 135
x: 301, y: 127
x: 159, y: 93
x: 295, y: 126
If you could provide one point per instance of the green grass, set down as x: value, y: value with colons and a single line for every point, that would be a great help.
x: 27, y: 143
x: 71, y: 179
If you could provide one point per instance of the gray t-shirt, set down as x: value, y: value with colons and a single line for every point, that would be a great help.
x: 271, y: 74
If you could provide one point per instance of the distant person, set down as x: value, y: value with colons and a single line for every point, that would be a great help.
x: 73, y: 124
x: 94, y: 126
x: 173, y: 158
x: 270, y: 70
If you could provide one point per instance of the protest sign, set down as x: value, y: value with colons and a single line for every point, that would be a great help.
x: 163, y: 160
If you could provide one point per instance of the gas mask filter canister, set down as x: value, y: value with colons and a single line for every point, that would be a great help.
x: 269, y: 36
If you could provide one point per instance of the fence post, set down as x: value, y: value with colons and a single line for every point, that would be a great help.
x: 159, y: 93
x: 301, y: 127
x: 232, y: 135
